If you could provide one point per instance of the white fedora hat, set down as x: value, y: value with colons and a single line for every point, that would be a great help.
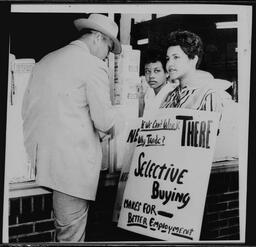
x: 102, y: 24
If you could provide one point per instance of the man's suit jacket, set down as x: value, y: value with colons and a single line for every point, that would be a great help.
x: 67, y: 100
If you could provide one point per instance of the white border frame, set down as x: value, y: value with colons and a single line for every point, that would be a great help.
x: 244, y: 14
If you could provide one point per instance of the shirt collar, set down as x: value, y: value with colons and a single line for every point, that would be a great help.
x: 191, y: 87
x: 199, y: 80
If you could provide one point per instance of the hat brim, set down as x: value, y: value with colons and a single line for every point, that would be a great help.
x: 85, y: 23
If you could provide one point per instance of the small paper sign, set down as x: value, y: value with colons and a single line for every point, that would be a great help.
x: 128, y: 152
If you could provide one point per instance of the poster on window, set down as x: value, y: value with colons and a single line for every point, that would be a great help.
x: 165, y: 192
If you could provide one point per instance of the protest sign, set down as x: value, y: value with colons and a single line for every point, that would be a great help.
x: 126, y: 159
x: 165, y: 193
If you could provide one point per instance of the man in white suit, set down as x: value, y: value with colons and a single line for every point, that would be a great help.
x: 66, y: 103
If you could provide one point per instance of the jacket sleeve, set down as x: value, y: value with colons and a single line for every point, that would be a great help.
x: 213, y: 102
x: 103, y: 114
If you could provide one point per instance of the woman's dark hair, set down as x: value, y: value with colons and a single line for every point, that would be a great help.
x: 153, y: 55
x: 189, y: 42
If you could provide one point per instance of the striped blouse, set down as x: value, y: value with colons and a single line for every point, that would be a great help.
x: 202, y: 98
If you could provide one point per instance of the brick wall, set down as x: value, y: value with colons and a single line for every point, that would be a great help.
x: 31, y: 217
x: 221, y: 215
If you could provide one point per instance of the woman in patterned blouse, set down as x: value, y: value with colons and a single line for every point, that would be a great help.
x: 184, y: 54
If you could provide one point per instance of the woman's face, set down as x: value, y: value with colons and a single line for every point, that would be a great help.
x: 155, y: 75
x: 178, y: 64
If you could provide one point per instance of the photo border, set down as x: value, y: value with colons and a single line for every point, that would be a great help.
x: 5, y: 11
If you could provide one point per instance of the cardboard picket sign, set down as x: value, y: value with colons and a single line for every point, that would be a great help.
x: 129, y: 148
x: 165, y: 193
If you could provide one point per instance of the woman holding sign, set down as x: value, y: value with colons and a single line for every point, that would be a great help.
x: 163, y: 197
x: 184, y: 54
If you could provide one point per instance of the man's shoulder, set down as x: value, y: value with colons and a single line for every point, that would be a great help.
x: 83, y: 53
x: 75, y: 56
